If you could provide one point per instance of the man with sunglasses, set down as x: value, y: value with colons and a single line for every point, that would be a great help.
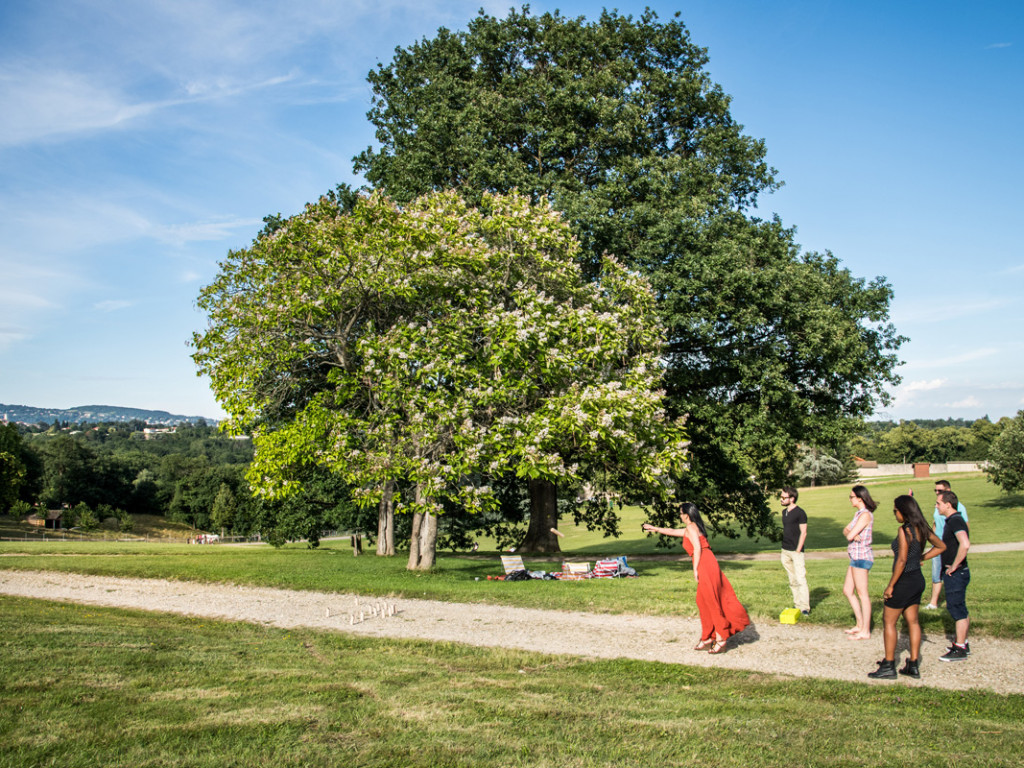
x: 794, y: 535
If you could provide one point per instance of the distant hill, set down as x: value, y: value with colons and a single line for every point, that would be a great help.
x: 93, y: 414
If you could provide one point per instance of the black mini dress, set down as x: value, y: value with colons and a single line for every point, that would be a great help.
x: 910, y: 587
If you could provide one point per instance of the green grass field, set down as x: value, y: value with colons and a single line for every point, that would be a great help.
x: 85, y: 686
x: 665, y: 586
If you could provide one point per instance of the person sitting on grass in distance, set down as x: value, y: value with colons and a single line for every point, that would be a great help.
x: 902, y: 596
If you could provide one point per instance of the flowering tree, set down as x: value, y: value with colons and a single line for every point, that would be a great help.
x: 431, y: 346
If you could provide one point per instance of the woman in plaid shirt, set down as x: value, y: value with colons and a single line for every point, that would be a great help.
x: 858, y: 534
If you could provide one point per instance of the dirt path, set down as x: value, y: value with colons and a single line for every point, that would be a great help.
x: 767, y: 647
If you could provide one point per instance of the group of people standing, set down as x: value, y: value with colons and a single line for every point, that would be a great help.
x: 722, y: 615
x: 947, y: 544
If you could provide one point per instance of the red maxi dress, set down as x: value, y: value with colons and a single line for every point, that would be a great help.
x: 720, y: 609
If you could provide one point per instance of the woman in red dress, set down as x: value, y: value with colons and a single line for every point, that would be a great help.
x: 721, y: 614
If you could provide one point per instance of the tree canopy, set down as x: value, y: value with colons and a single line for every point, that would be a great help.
x: 13, y: 470
x: 1006, y: 457
x: 437, y: 345
x: 617, y: 124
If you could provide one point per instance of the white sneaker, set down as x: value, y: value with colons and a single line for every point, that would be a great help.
x: 931, y: 607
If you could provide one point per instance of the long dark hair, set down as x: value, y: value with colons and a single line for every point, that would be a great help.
x: 913, y: 518
x: 689, y: 509
x: 862, y: 493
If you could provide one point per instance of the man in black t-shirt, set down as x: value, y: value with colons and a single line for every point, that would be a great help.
x: 955, y: 573
x: 794, y: 535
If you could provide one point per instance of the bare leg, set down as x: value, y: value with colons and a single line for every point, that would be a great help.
x: 848, y: 590
x: 889, y: 635
x: 961, y: 630
x: 910, y: 618
x: 936, y: 591
x: 860, y: 579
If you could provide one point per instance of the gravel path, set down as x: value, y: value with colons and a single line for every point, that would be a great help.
x: 767, y: 647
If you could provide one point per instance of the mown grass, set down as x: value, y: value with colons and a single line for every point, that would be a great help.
x: 665, y: 586
x: 86, y: 686
x: 994, y: 517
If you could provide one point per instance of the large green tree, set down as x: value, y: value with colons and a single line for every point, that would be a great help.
x: 13, y: 471
x: 433, y: 346
x: 1006, y: 457
x: 617, y: 124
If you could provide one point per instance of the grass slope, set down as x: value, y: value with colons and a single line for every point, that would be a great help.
x: 86, y: 686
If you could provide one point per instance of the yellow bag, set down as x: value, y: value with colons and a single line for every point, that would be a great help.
x: 789, y: 616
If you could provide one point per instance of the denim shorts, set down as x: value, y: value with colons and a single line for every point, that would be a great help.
x: 864, y: 564
x: 956, y: 592
x: 936, y: 570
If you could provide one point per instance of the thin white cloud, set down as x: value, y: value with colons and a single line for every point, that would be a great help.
x: 922, y: 386
x: 46, y: 105
x: 11, y: 334
x: 112, y: 305
x: 968, y: 402
x: 22, y: 300
x: 81, y: 221
x: 204, y: 231
x: 998, y: 45
x: 972, y: 356
x: 932, y: 312
x: 947, y: 360
x: 148, y: 57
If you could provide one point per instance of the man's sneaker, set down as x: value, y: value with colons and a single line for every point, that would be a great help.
x: 956, y: 653
x: 931, y: 607
x: 806, y: 613
x: 967, y: 647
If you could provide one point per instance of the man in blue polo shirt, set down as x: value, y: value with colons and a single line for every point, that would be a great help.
x: 940, y: 523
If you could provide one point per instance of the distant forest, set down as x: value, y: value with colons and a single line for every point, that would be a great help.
x: 189, y: 473
x: 194, y: 474
x: 934, y: 440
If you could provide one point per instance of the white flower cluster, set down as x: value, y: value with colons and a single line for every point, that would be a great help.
x: 461, y: 343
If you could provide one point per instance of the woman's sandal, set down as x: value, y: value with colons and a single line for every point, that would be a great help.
x: 703, y: 645
x: 718, y: 647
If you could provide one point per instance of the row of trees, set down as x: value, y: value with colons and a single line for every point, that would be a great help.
x: 113, y: 472
x: 461, y: 351
x: 933, y: 440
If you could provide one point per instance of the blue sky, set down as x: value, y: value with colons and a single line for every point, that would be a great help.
x: 140, y: 141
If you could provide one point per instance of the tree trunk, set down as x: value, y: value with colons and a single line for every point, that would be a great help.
x: 423, y: 540
x: 543, y: 517
x: 386, y: 521
x: 414, y: 542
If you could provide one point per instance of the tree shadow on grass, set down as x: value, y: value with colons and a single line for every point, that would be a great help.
x: 819, y: 595
x: 1011, y: 501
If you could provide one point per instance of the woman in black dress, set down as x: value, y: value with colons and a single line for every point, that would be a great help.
x: 903, y: 594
